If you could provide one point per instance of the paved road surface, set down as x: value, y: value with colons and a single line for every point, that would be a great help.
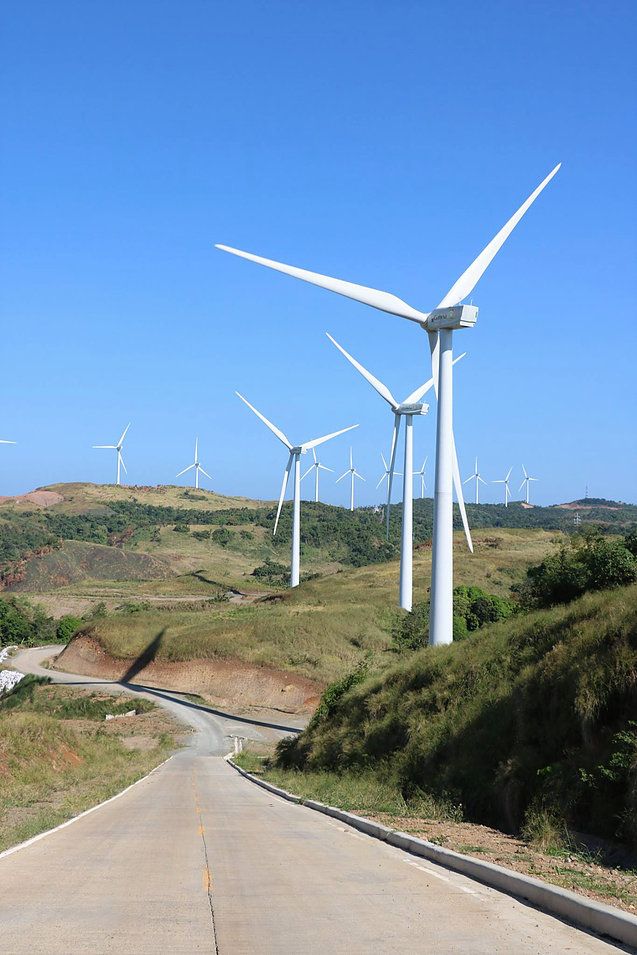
x: 197, y: 859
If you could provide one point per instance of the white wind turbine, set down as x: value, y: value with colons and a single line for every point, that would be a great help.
x: 196, y: 465
x: 406, y: 409
x: 353, y: 473
x: 449, y: 316
x: 386, y: 475
x: 507, y: 489
x: 117, y: 447
x: 527, y: 480
x: 296, y: 450
x: 316, y: 466
x: 421, y: 475
x: 477, y: 477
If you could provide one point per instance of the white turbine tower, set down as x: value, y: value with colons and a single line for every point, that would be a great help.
x: 477, y: 477
x: 296, y: 450
x: 353, y: 473
x: 527, y: 480
x: 386, y: 475
x: 450, y: 315
x: 507, y: 489
x: 406, y: 409
x: 117, y: 447
x: 316, y: 466
x: 421, y: 475
x: 196, y: 465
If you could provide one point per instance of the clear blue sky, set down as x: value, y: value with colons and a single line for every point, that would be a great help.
x: 383, y: 143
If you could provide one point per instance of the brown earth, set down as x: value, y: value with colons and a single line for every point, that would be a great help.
x: 39, y: 498
x: 230, y: 684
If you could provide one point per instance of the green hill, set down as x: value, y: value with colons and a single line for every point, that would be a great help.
x: 530, y: 722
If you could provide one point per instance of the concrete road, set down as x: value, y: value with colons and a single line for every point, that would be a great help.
x: 197, y: 859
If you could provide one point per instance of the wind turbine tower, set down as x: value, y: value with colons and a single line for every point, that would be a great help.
x: 477, y: 477
x: 353, y: 473
x: 450, y: 315
x: 316, y: 466
x: 118, y: 448
x: 196, y: 465
x: 294, y: 460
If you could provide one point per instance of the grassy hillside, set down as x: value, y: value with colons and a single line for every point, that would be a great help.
x: 327, y: 625
x: 58, y: 756
x: 530, y: 723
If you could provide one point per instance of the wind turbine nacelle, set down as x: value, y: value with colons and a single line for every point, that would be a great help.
x: 456, y: 316
x: 413, y: 409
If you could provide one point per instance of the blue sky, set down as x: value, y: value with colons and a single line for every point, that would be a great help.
x: 382, y: 143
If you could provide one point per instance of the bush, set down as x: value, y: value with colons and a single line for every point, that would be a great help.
x: 66, y: 627
x: 590, y: 562
x: 221, y: 536
x: 23, y: 624
x: 472, y: 609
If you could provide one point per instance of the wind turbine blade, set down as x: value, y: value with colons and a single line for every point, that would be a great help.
x: 268, y: 424
x: 322, y: 467
x: 482, y: 479
x: 392, y: 464
x: 470, y: 478
x: 311, y: 468
x: 378, y: 386
x: 419, y: 393
x: 356, y: 474
x: 382, y: 478
x: 524, y: 470
x: 470, y: 278
x: 384, y: 461
x: 509, y: 473
x: 111, y: 447
x: 209, y: 476
x: 8, y: 442
x: 458, y: 484
x: 284, y: 487
x: 530, y: 479
x: 189, y: 468
x: 360, y: 293
x: 122, y: 463
x: 344, y: 474
x: 522, y: 485
x: 314, y: 456
x: 124, y: 433
x: 196, y: 448
x: 327, y: 437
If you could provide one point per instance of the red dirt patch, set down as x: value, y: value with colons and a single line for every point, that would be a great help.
x: 231, y: 683
x: 39, y: 498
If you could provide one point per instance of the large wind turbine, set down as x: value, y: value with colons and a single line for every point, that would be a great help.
x: 117, y: 447
x: 406, y: 409
x: 196, y: 465
x: 507, y: 489
x: 316, y: 466
x: 450, y: 315
x: 527, y: 480
x: 296, y: 450
x: 353, y: 474
x: 477, y: 477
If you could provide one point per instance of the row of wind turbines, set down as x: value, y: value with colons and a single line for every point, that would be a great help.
x: 450, y: 315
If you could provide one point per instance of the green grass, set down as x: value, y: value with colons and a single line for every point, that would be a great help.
x: 57, y: 757
x: 326, y: 626
x: 532, y: 715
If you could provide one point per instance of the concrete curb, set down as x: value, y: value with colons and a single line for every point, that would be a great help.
x: 580, y: 911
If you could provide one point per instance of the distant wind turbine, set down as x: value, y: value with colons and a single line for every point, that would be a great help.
x: 527, y: 480
x: 421, y: 475
x: 117, y: 447
x: 385, y: 476
x: 316, y: 467
x: 507, y: 489
x: 353, y: 473
x: 296, y: 450
x: 477, y: 477
x: 196, y: 465
x: 450, y: 315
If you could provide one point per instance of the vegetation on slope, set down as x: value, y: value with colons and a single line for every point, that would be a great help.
x: 528, y: 724
x: 58, y: 756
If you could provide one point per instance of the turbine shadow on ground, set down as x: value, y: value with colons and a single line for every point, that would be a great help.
x: 145, y: 658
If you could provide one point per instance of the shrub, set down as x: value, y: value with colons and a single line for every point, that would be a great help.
x: 472, y: 609
x: 66, y: 627
x: 221, y: 536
